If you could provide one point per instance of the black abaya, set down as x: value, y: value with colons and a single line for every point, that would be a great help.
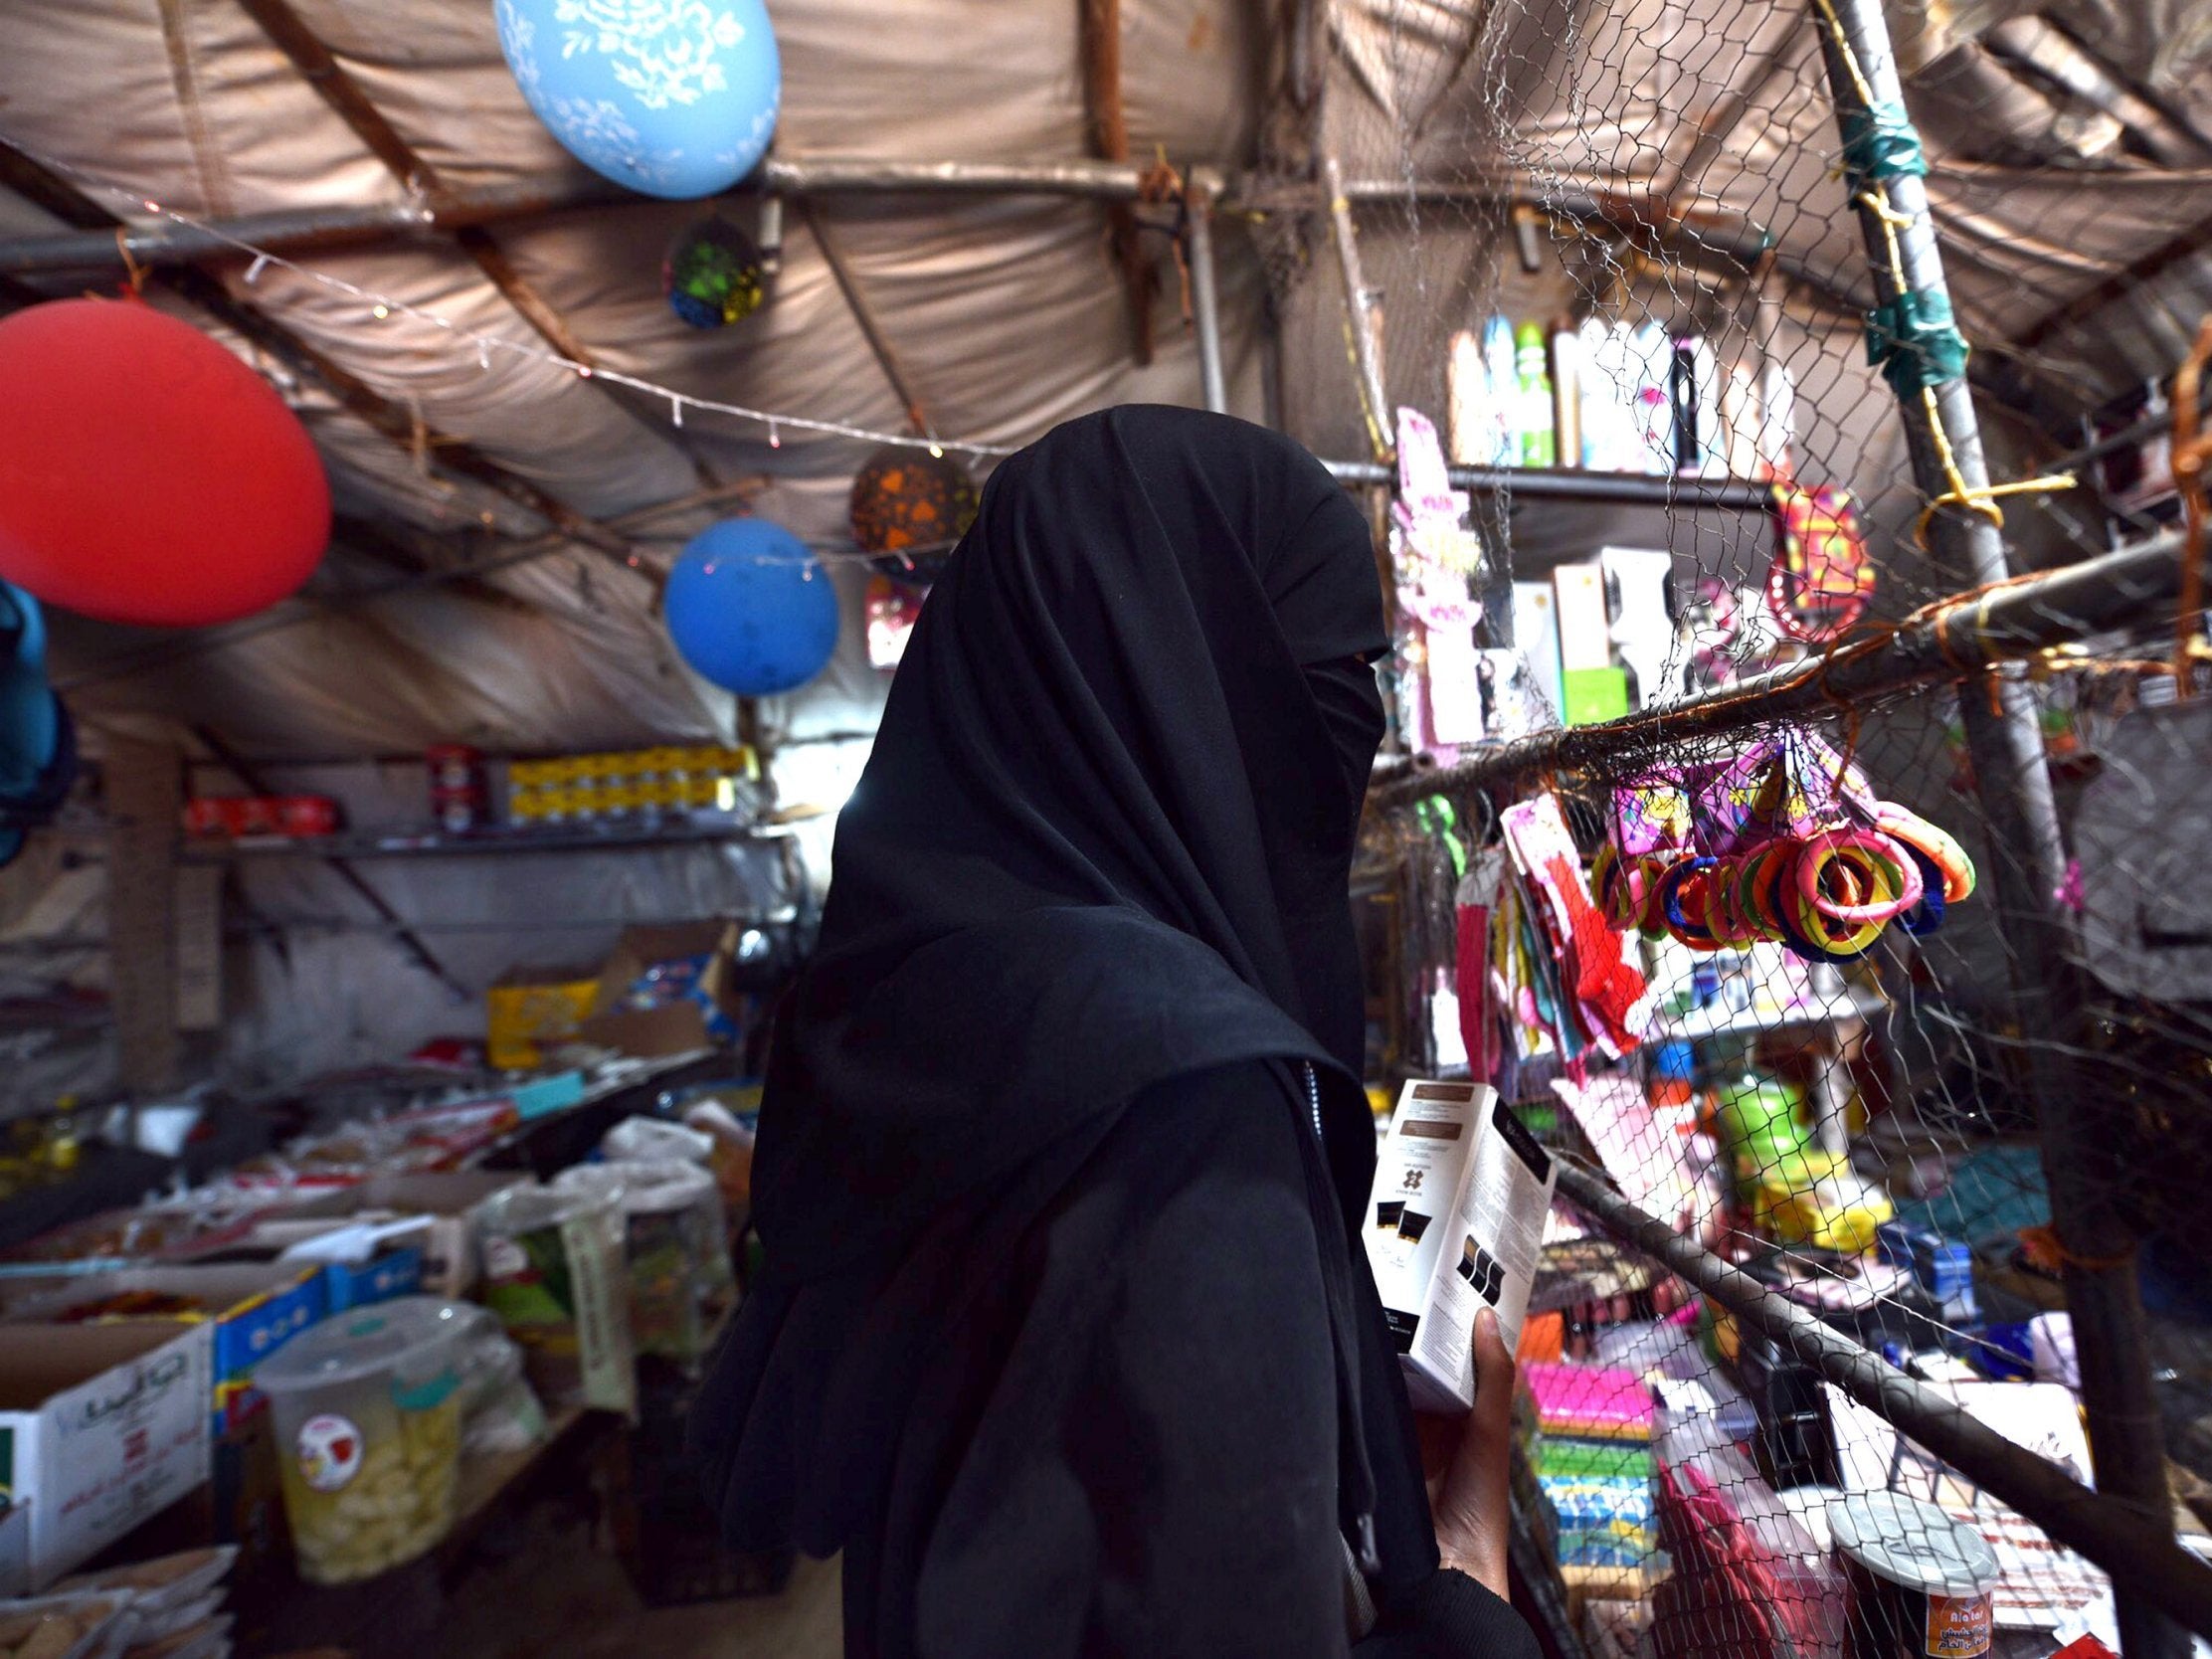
x: 1063, y: 1337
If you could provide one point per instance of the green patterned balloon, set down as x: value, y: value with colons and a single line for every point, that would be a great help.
x: 712, y: 274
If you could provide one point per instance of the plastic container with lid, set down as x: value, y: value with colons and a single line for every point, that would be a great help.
x: 367, y: 1411
x: 1921, y: 1582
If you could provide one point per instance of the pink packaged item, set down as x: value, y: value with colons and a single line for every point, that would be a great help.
x: 1591, y: 1402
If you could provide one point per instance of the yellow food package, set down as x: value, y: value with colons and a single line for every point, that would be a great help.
x: 528, y: 1009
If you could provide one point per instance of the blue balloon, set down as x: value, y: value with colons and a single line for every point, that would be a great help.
x: 751, y: 609
x: 673, y: 97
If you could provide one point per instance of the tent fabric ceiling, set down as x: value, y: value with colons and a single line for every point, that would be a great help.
x: 1006, y: 312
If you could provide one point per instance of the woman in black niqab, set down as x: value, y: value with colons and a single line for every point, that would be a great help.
x: 1063, y: 1335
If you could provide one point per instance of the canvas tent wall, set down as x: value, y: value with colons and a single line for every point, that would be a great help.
x: 1004, y: 307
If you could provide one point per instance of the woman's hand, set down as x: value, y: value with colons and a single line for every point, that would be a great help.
x: 1468, y: 1462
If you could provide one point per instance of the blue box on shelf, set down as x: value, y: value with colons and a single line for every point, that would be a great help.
x: 547, y: 1095
x: 396, y: 1272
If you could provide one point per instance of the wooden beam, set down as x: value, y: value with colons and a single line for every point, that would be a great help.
x: 321, y: 70
x: 397, y: 424
x: 886, y: 358
x: 2188, y: 245
x: 409, y: 552
x: 1109, y: 138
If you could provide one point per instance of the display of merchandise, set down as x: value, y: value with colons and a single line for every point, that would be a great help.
x: 248, y: 817
x: 634, y: 785
x: 1784, y: 843
x: 1611, y: 423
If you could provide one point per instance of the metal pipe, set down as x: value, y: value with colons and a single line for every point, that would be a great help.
x: 2144, y: 1561
x: 1206, y: 298
x: 1366, y: 355
x: 1561, y: 483
x: 1703, y: 226
x: 1951, y: 638
x: 2005, y: 740
x: 301, y: 230
x: 819, y: 175
x: 2150, y: 426
x: 307, y: 229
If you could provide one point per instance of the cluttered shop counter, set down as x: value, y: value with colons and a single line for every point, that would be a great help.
x: 1684, y: 1485
x: 278, y: 1410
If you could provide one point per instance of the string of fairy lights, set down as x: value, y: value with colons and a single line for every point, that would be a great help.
x: 380, y: 308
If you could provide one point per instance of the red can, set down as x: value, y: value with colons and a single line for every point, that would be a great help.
x: 460, y: 802
x: 306, y: 815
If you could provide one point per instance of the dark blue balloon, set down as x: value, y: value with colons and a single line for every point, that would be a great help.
x: 750, y: 609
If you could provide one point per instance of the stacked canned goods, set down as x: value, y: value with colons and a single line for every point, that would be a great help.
x: 639, y: 787
x: 460, y: 801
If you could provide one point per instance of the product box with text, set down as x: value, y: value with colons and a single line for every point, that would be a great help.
x: 1454, y: 1224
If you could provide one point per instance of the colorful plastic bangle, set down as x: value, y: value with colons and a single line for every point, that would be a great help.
x: 1815, y: 937
x: 1731, y: 921
x: 1723, y: 919
x: 1652, y: 870
x: 1857, y: 853
x: 1608, y: 872
x: 1928, y: 915
x: 1909, y: 828
x: 1677, y: 897
x: 1763, y: 872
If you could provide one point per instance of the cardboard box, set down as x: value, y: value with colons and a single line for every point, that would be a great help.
x: 392, y: 1272
x: 101, y: 1426
x: 531, y: 1009
x: 1454, y: 1223
x: 708, y: 1012
x: 447, y: 1249
x: 252, y: 1309
x: 14, y: 1536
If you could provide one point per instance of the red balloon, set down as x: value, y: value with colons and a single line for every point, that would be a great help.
x: 146, y: 474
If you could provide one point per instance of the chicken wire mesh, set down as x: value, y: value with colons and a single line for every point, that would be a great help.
x: 1622, y: 260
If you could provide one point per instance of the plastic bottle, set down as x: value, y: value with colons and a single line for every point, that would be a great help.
x: 1499, y: 361
x: 1681, y: 397
x: 1740, y: 424
x: 1470, y: 405
x: 1567, y: 369
x: 1651, y: 358
x: 1601, y: 396
x: 1778, y: 425
x: 1609, y: 403
x: 1705, y: 370
x: 1538, y: 442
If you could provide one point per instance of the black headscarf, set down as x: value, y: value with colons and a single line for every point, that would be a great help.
x: 1103, y: 841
